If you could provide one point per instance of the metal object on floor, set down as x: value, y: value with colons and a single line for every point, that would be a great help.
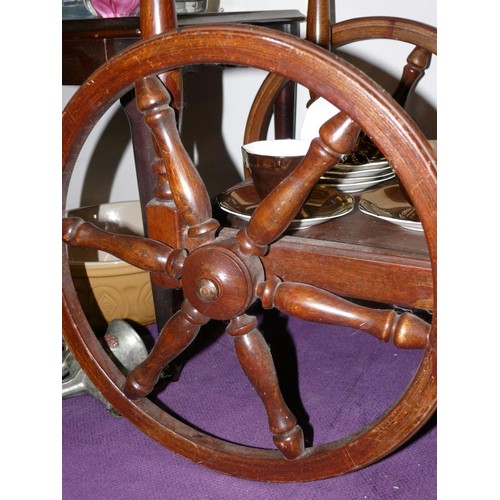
x: 126, y: 348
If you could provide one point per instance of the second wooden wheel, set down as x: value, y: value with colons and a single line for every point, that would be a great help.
x: 422, y: 36
x: 221, y: 276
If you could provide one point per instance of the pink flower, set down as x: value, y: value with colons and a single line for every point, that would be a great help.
x: 115, y: 8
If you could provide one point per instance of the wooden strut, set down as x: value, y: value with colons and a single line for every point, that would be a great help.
x: 180, y: 330
x: 255, y: 358
x: 274, y: 214
x: 310, y: 303
x: 186, y: 186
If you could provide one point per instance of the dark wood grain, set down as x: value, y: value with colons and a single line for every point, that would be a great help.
x: 186, y: 186
x: 255, y: 358
x: 314, y: 304
x: 144, y: 253
x: 319, y: 21
x: 175, y: 337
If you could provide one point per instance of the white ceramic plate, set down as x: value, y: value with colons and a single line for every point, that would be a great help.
x: 355, y: 187
x: 323, y: 204
x: 388, y: 203
x: 354, y: 177
x: 358, y: 175
x: 349, y: 167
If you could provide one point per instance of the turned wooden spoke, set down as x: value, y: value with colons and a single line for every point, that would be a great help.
x: 271, y: 218
x: 143, y: 253
x: 255, y: 358
x: 175, y: 337
x: 314, y: 304
x: 187, y: 187
x: 417, y: 62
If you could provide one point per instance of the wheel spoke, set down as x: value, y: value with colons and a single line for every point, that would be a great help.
x: 143, y: 253
x: 314, y: 304
x: 274, y: 214
x: 255, y: 358
x: 174, y: 338
x: 188, y: 190
x: 417, y: 62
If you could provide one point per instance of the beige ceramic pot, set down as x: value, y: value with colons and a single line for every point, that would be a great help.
x: 109, y: 288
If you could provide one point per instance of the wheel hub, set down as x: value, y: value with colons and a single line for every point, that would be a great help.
x: 219, y: 280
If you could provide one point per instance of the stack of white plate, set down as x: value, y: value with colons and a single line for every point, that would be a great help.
x: 355, y: 178
x: 345, y: 177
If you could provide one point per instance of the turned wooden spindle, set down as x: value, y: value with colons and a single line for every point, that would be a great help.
x: 318, y: 28
x: 180, y: 330
x: 272, y: 217
x: 314, y: 304
x: 187, y: 187
x: 143, y: 253
x: 161, y: 189
x: 255, y: 358
x: 160, y: 17
x: 161, y: 218
x: 417, y: 62
x: 319, y: 21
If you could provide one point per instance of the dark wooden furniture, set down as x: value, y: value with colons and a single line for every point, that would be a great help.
x: 222, y: 271
x: 89, y: 43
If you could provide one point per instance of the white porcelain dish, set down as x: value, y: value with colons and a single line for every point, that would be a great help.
x: 358, y: 175
x: 323, y: 204
x: 359, y: 180
x: 388, y: 203
x: 350, y: 186
x: 349, y: 167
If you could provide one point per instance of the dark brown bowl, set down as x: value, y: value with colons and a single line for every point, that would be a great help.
x: 269, y: 162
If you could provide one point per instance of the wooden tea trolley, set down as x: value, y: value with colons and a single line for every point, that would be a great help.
x: 322, y: 274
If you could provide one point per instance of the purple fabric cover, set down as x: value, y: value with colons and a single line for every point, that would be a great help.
x: 334, y: 379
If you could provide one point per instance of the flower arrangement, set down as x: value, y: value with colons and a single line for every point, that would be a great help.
x: 116, y: 8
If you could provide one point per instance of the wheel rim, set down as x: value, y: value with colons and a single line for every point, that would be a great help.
x: 342, y: 85
x: 342, y: 33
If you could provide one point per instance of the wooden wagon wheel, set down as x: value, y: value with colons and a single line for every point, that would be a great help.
x: 422, y: 36
x: 222, y: 277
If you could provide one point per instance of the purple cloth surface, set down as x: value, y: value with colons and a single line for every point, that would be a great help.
x: 334, y: 379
